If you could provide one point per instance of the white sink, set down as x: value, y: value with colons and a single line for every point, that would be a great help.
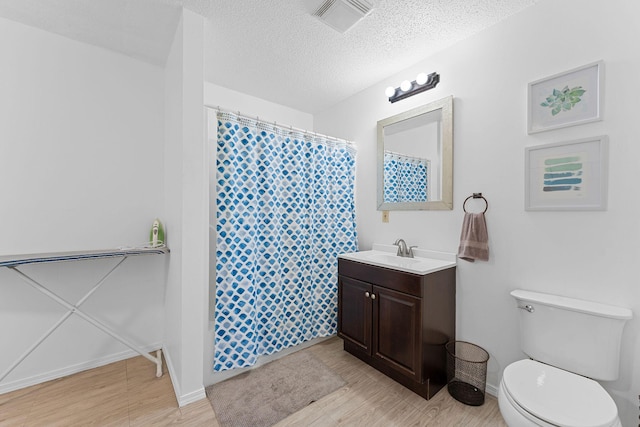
x: 423, y: 262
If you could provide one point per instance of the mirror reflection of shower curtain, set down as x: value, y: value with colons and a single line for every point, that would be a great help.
x: 285, y: 211
x: 405, y: 178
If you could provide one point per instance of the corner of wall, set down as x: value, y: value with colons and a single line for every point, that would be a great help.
x: 183, y: 399
x: 186, y: 209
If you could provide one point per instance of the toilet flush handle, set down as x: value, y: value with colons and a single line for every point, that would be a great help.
x: 527, y: 307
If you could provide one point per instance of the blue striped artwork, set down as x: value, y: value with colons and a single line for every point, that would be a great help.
x: 563, y: 174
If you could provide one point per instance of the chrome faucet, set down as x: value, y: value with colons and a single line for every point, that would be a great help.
x: 403, y: 250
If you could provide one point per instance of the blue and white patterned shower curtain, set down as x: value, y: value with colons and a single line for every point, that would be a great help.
x: 405, y: 178
x: 285, y: 211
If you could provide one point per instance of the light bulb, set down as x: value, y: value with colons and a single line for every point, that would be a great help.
x: 405, y: 85
x: 390, y: 91
x: 422, y: 78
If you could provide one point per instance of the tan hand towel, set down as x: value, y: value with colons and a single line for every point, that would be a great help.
x: 474, y: 239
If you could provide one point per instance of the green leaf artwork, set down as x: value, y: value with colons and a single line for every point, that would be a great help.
x: 563, y: 100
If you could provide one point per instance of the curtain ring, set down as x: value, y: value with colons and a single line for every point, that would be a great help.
x: 475, y: 196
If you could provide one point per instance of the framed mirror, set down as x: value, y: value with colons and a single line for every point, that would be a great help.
x: 415, y: 158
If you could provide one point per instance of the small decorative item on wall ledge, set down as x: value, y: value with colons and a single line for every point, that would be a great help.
x: 567, y: 176
x: 566, y: 99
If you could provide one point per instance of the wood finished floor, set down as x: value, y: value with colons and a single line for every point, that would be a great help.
x: 127, y: 393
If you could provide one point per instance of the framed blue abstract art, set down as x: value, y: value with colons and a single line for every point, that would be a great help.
x: 567, y: 176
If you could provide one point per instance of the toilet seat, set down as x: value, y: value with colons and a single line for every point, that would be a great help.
x: 558, y: 397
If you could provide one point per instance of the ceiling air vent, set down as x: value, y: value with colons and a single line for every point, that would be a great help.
x: 342, y: 14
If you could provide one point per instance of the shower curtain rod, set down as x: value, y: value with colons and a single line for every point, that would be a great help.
x: 308, y: 132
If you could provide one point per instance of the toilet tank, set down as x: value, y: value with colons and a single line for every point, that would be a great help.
x: 579, y: 336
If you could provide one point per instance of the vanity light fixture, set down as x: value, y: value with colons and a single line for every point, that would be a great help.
x: 420, y: 84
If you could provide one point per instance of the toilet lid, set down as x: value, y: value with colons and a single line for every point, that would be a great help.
x: 559, y: 397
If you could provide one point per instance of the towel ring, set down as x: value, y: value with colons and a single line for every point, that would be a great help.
x: 475, y: 196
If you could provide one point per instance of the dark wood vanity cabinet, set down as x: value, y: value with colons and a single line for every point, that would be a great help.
x: 398, y: 322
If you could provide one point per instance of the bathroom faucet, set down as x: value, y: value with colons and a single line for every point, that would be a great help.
x: 403, y: 250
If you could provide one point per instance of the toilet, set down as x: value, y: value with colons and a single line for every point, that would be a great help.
x: 571, y: 344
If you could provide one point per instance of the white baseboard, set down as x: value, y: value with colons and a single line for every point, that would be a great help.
x: 492, y: 390
x: 172, y: 372
x: 192, y: 397
x: 73, y: 369
x: 188, y: 398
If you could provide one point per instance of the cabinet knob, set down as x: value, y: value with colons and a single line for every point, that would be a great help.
x: 366, y: 294
x: 373, y: 296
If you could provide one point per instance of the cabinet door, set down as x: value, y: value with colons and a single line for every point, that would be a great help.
x: 354, y: 312
x: 396, y: 331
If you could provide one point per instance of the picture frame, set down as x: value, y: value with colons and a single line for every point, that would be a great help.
x: 567, y: 176
x: 570, y: 98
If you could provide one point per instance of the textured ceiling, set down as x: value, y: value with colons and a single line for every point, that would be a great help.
x: 274, y: 49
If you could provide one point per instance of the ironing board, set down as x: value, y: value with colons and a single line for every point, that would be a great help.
x: 14, y: 262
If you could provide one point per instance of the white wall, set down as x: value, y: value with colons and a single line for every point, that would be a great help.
x: 585, y: 255
x: 227, y: 99
x: 80, y: 165
x: 186, y: 209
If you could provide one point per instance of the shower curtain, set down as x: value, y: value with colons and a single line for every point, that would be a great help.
x: 405, y: 178
x: 285, y: 211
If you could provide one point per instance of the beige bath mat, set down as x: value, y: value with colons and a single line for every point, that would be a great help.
x: 263, y: 396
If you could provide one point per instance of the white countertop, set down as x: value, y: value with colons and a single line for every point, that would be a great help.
x: 423, y: 262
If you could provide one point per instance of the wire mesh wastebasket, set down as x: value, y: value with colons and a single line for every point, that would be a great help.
x: 466, y: 372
